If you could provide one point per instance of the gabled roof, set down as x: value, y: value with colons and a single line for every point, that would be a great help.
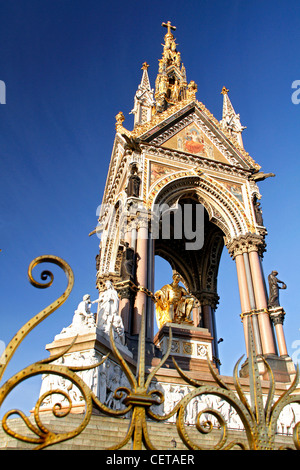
x: 164, y: 125
x: 176, y: 107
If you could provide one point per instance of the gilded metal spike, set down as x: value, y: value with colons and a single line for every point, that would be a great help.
x: 161, y: 363
x: 240, y: 391
x: 29, y: 326
x: 271, y: 393
x: 141, y: 352
x: 126, y: 368
x: 254, y: 379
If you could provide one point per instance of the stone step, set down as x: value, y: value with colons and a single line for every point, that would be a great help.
x: 103, y: 432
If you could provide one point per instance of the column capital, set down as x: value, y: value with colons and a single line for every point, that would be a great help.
x: 277, y: 315
x: 245, y: 244
x: 142, y: 219
x: 126, y: 289
x: 208, y: 298
x: 139, y: 217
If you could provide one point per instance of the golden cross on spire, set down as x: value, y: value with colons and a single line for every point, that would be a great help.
x: 169, y: 26
x: 224, y: 91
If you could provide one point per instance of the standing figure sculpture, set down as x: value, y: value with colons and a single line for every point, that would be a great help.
x: 257, y: 211
x: 127, y: 266
x: 108, y: 306
x: 108, y: 313
x: 173, y: 303
x: 274, y: 287
x: 134, y: 182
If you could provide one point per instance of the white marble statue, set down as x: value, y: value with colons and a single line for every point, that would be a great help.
x: 83, y: 320
x: 108, y: 313
x: 118, y: 326
x: 108, y: 305
x: 83, y: 314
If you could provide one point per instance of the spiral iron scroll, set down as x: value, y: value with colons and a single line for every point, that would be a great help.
x: 259, y: 419
x: 41, y: 435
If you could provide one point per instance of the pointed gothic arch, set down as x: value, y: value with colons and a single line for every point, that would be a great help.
x: 224, y: 210
x: 225, y: 220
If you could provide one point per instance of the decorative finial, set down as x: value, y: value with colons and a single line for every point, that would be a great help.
x: 120, y: 118
x: 143, y: 99
x: 169, y: 26
x: 191, y: 90
x: 224, y: 91
x: 230, y: 119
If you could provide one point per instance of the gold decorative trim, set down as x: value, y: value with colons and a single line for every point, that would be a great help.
x: 160, y: 117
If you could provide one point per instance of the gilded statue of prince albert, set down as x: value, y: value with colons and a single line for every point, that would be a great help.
x: 173, y: 303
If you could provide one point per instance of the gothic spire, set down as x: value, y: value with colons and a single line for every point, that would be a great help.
x: 230, y: 120
x: 171, y: 85
x: 143, y: 99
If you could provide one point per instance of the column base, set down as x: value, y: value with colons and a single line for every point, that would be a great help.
x: 282, y: 367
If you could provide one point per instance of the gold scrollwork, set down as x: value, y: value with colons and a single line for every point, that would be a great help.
x: 258, y: 418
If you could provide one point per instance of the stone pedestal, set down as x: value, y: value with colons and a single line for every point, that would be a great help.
x: 93, y: 339
x: 191, y: 346
x: 88, y: 349
x: 282, y: 365
x: 283, y: 368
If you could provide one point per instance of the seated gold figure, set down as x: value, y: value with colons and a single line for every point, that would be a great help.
x: 173, y: 304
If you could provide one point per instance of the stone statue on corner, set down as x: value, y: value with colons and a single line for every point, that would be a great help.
x: 83, y: 320
x: 128, y: 260
x: 274, y: 287
x: 134, y: 182
x: 108, y: 313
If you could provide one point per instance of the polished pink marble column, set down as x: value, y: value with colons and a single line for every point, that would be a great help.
x: 265, y: 327
x: 277, y: 318
x: 244, y: 294
x: 206, y: 315
x: 141, y: 277
x: 196, y: 316
x: 242, y: 282
x: 151, y: 279
x: 124, y: 309
x: 281, y: 339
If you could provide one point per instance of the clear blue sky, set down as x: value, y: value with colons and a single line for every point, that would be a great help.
x: 69, y: 67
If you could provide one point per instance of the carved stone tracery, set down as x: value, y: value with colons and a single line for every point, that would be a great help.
x: 213, y: 196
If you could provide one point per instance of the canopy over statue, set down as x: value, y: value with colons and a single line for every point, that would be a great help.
x: 173, y: 303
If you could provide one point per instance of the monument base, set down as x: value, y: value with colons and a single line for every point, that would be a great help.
x: 93, y: 338
x: 88, y: 349
x: 191, y: 346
